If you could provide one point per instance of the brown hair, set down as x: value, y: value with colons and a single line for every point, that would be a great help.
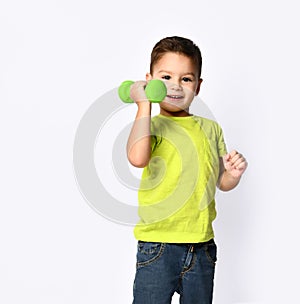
x: 179, y: 45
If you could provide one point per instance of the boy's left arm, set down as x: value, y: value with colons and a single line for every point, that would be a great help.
x: 232, y: 167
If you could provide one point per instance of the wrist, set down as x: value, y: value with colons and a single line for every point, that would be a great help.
x: 231, y: 177
x: 228, y: 181
x: 144, y: 108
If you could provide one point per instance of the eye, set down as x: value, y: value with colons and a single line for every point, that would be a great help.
x: 186, y: 79
x: 166, y: 77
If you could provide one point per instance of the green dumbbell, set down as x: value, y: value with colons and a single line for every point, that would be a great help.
x: 155, y: 90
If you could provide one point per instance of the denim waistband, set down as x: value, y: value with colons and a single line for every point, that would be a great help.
x: 211, y: 241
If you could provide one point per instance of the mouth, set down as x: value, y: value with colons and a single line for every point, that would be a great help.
x: 175, y: 97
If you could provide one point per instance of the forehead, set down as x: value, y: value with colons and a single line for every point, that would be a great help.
x: 175, y: 62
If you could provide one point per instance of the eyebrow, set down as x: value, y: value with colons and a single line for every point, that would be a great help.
x: 168, y: 72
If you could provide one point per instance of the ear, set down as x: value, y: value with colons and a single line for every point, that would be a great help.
x: 148, y: 76
x: 198, y: 86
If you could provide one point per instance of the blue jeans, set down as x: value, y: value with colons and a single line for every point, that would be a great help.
x: 163, y: 269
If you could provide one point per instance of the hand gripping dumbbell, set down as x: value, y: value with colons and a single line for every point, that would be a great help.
x: 155, y: 90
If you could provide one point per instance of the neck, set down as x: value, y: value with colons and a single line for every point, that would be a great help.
x: 182, y: 113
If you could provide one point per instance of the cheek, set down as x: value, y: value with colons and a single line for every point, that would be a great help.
x: 189, y: 92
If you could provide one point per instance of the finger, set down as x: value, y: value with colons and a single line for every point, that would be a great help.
x: 236, y: 157
x: 229, y: 156
x: 226, y: 158
x: 238, y: 162
x: 233, y: 153
x: 137, y: 92
x: 242, y: 166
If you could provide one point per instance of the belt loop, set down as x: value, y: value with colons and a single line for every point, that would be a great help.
x: 192, y: 248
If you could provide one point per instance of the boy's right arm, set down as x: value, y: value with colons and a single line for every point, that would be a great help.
x: 139, y: 141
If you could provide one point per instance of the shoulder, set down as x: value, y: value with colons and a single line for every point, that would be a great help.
x: 160, y: 123
x: 207, y: 123
x: 156, y: 122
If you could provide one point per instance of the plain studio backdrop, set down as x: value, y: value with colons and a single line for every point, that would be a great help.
x: 58, y: 57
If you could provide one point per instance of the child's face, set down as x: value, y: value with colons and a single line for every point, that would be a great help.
x: 181, y: 78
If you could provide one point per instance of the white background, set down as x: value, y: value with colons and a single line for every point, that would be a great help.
x: 58, y: 57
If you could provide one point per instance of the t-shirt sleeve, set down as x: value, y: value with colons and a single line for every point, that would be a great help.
x: 222, y: 150
x: 155, y: 135
x: 153, y: 142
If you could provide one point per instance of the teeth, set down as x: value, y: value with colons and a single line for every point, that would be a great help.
x: 175, y: 96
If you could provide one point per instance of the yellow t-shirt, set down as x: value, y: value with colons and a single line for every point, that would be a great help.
x: 176, y: 195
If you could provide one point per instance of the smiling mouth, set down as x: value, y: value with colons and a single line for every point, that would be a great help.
x: 175, y: 97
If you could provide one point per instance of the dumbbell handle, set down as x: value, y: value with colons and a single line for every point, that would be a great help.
x: 155, y: 90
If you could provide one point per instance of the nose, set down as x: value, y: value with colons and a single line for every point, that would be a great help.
x: 175, y: 86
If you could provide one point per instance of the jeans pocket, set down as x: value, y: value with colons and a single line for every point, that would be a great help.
x: 211, y: 253
x: 148, y: 252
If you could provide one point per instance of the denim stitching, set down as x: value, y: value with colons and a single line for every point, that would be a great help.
x: 192, y: 264
x: 209, y: 257
x: 190, y: 267
x: 160, y: 252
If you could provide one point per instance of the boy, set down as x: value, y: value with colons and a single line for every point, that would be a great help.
x: 184, y: 158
